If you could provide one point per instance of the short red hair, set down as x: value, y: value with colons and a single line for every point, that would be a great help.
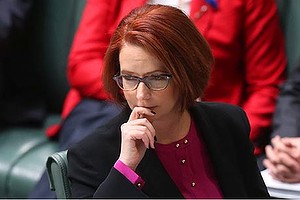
x: 168, y: 34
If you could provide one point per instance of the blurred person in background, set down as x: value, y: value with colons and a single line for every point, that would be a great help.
x: 283, y: 153
x: 20, y: 97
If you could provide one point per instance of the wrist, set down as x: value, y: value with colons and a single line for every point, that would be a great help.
x: 128, y: 163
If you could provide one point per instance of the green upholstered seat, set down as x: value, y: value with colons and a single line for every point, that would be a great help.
x: 23, y: 153
x: 24, y: 174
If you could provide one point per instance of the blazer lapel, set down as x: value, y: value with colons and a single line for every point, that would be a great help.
x: 221, y: 158
x: 157, y: 181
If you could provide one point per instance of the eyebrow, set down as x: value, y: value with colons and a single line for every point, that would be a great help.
x: 146, y: 74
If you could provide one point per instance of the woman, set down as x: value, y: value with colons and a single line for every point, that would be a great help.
x: 164, y: 144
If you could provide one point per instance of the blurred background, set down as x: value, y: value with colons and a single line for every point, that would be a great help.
x: 35, y: 39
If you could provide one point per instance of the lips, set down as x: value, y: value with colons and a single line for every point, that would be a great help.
x: 149, y: 107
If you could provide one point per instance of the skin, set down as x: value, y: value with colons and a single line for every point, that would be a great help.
x: 283, y: 159
x: 154, y: 113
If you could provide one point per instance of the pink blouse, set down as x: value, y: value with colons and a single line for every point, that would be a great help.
x: 189, y: 166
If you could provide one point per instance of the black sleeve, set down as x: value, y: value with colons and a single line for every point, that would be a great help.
x: 287, y: 114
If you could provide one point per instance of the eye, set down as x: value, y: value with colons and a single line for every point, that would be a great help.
x: 158, y: 77
x: 128, y: 77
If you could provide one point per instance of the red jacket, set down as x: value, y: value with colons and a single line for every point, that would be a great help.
x: 245, y: 38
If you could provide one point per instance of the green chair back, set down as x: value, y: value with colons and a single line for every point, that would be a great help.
x: 57, y: 169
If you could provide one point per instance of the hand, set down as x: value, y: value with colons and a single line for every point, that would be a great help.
x: 294, y: 146
x: 137, y: 136
x: 283, y: 159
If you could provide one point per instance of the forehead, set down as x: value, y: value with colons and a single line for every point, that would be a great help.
x: 137, y: 60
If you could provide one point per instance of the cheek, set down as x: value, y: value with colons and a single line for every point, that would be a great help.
x: 173, y: 93
x: 169, y: 98
x: 129, y: 96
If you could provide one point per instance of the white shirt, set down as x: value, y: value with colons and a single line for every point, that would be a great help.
x: 184, y: 5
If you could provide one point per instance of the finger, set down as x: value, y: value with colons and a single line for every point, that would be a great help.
x: 277, y: 171
x: 288, y: 161
x: 273, y: 172
x: 294, y: 144
x: 141, y: 129
x: 283, y: 173
x: 151, y: 131
x: 143, y: 136
x: 277, y: 143
x: 293, y: 179
x: 272, y: 154
x: 149, y: 126
x: 270, y: 166
x: 145, y: 140
x: 140, y: 112
x: 287, y: 146
x: 288, y: 142
x: 283, y: 170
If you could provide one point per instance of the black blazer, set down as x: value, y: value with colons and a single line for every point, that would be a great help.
x: 225, y: 131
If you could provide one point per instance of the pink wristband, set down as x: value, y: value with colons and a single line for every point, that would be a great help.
x: 129, y: 174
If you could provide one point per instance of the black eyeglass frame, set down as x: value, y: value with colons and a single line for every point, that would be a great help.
x: 118, y: 79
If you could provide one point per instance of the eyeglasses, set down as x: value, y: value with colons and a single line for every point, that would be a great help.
x: 153, y: 82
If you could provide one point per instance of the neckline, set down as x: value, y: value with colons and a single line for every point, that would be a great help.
x: 178, y: 144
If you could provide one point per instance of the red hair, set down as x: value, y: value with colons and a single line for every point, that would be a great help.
x: 168, y: 34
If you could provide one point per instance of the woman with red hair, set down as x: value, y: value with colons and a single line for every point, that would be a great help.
x: 164, y: 144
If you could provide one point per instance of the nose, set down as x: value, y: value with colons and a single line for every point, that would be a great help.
x: 142, y: 92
